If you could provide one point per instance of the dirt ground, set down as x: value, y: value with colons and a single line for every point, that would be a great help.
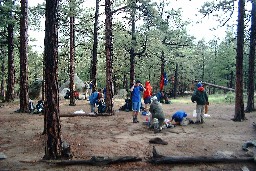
x: 21, y: 140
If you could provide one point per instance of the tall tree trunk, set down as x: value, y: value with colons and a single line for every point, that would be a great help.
x: 95, y: 47
x: 115, y: 85
x: 43, y: 89
x: 239, y: 104
x: 2, y: 91
x: 53, y: 127
x: 72, y: 58
x: 250, y: 89
x: 11, y: 72
x: 132, y: 51
x: 109, y: 57
x: 24, y: 99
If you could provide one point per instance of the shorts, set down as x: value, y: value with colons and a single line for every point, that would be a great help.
x: 147, y: 100
x: 136, y: 106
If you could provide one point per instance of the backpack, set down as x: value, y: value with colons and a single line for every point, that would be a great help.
x: 102, y: 107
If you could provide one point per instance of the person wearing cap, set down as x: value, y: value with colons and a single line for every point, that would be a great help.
x: 201, y: 98
x: 157, y: 112
x: 136, y: 90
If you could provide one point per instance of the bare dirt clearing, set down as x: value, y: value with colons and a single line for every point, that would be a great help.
x: 21, y: 140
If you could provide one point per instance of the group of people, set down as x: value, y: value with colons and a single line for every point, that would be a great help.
x: 153, y: 105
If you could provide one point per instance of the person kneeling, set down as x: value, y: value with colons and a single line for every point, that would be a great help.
x: 179, y: 118
x: 157, y: 114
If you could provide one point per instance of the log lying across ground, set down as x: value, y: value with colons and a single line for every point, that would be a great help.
x: 217, y: 86
x: 197, y: 159
x: 160, y: 159
x: 97, y: 161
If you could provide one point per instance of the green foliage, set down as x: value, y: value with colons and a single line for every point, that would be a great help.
x: 230, y: 97
x: 166, y: 33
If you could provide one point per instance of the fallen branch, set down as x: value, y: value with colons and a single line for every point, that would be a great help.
x: 199, y: 159
x: 97, y: 161
x: 217, y: 86
x: 160, y: 159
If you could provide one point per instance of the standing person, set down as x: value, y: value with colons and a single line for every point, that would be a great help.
x: 156, y: 111
x: 147, y: 95
x: 201, y: 98
x: 136, y: 89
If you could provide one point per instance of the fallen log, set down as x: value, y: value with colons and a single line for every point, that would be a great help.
x: 97, y: 161
x: 160, y: 159
x: 217, y: 86
x: 197, y: 159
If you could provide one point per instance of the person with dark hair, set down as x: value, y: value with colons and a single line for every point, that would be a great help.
x: 201, y: 98
x: 136, y: 89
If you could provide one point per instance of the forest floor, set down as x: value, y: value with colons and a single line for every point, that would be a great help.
x: 21, y: 138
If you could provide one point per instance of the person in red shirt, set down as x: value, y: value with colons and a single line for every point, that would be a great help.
x: 147, y: 95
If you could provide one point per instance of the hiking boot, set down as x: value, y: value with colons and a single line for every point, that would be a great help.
x: 135, y: 120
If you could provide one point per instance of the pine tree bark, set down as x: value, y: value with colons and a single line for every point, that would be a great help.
x: 72, y: 59
x: 109, y: 57
x: 3, y: 78
x: 53, y: 127
x: 239, y: 104
x: 250, y: 89
x: 11, y: 72
x: 24, y: 99
x: 132, y: 51
x: 95, y: 47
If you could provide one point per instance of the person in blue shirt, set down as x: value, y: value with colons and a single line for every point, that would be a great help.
x: 178, y: 117
x: 93, y: 100
x: 136, y: 90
